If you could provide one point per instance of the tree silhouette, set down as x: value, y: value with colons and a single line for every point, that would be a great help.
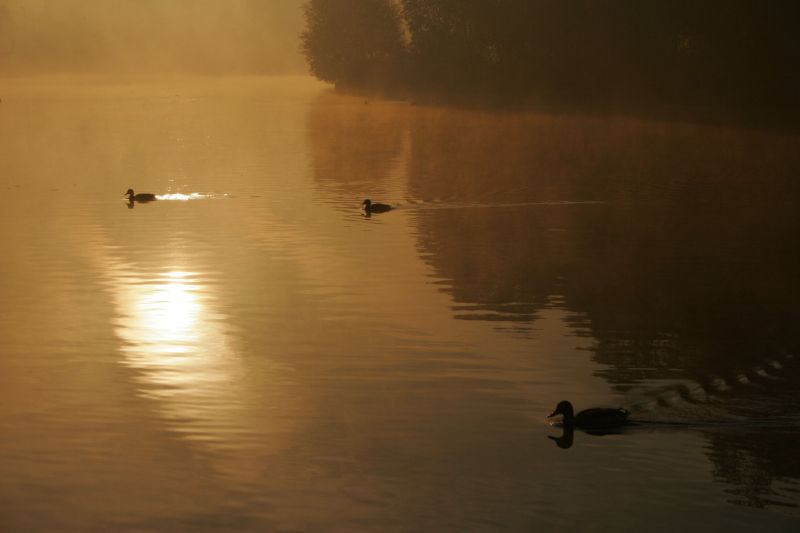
x: 353, y: 42
x: 723, y: 55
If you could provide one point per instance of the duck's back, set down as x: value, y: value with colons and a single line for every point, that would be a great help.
x: 379, y: 208
x: 601, y: 417
x: 144, y: 197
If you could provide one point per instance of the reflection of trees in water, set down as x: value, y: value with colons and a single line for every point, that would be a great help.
x: 760, y: 465
x: 689, y: 263
x: 491, y: 277
x: 480, y: 157
x: 355, y: 144
x: 688, y: 270
x: 693, y: 289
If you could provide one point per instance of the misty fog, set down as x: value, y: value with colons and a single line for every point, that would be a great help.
x: 132, y: 37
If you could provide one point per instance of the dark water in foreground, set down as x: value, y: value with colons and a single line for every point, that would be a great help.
x: 261, y: 357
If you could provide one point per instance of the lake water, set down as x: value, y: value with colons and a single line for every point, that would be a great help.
x: 251, y: 353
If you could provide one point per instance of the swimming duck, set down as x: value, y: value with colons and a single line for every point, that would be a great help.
x: 368, y: 207
x: 141, y: 197
x: 596, y: 418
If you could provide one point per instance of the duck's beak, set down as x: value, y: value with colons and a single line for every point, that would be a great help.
x: 554, y: 413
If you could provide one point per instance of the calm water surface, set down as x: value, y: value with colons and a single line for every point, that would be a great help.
x: 250, y: 353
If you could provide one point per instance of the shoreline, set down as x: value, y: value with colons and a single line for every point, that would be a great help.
x: 785, y: 120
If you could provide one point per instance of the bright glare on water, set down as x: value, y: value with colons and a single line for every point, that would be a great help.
x: 250, y: 352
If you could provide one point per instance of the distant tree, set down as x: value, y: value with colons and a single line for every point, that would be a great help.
x: 354, y: 42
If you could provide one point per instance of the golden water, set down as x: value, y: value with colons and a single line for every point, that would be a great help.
x: 249, y: 352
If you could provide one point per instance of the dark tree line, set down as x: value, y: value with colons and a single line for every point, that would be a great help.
x: 354, y: 42
x: 723, y: 53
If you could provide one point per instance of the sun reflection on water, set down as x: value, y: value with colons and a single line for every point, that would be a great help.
x: 183, y: 354
x: 168, y: 314
x: 171, y: 336
x: 182, y: 197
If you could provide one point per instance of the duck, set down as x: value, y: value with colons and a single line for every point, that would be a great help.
x: 595, y: 418
x: 141, y: 197
x: 368, y: 207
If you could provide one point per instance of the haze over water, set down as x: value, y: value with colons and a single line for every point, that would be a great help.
x: 264, y: 357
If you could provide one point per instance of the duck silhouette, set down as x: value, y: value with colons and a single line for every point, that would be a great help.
x: 368, y: 207
x: 141, y: 197
x: 597, y: 421
x: 597, y: 418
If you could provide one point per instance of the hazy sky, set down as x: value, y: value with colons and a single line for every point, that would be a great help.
x: 150, y: 36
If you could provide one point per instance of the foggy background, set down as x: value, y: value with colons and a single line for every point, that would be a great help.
x: 133, y: 37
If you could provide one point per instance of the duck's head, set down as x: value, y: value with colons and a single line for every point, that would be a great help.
x: 366, y: 204
x: 563, y: 408
x: 129, y: 193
